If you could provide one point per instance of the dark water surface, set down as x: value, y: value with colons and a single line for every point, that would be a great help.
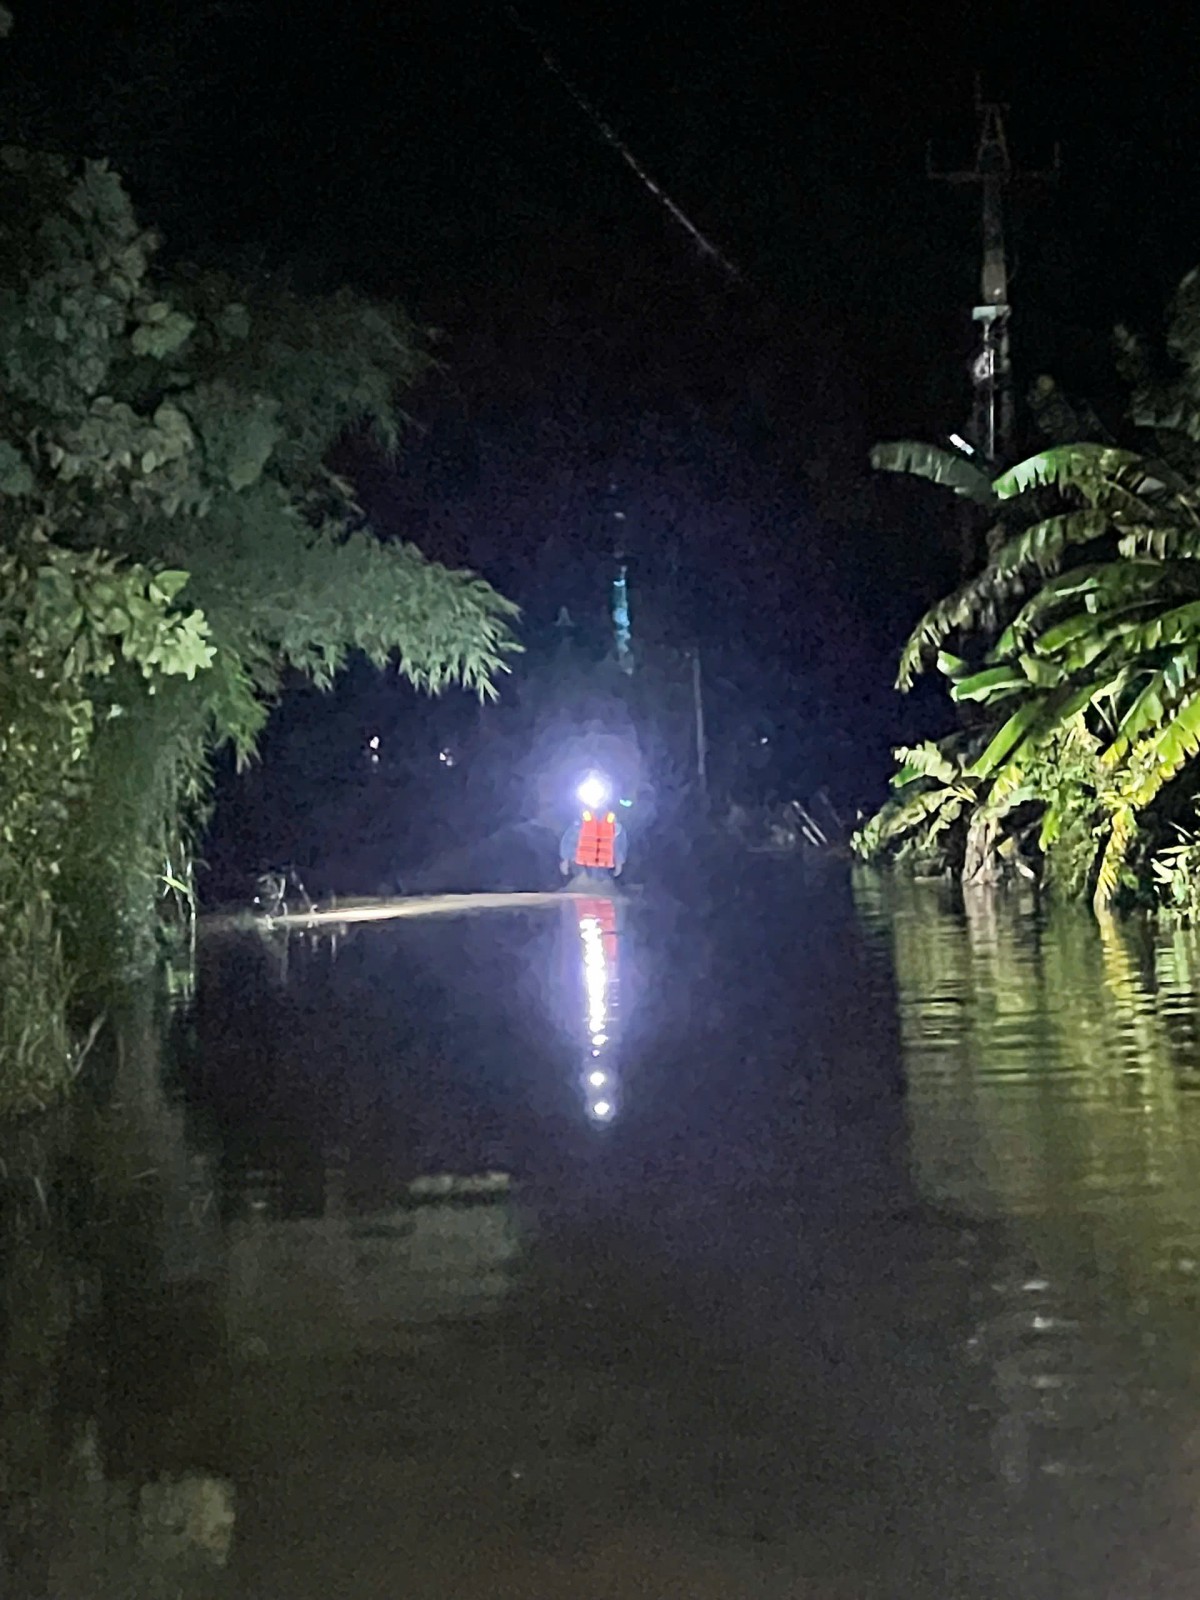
x: 819, y: 1241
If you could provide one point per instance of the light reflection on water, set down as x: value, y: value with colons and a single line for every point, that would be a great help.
x: 1052, y: 1064
x: 597, y: 923
x: 1032, y: 1328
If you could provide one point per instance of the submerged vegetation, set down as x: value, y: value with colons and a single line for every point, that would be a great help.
x: 174, y: 542
x: 1074, y: 657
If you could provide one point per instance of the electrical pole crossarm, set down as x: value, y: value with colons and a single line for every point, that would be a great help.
x: 991, y: 370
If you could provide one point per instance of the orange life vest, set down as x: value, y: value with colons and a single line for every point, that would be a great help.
x: 597, y: 845
x: 602, y: 910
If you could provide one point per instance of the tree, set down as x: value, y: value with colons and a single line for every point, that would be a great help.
x: 1077, y: 646
x: 174, y: 541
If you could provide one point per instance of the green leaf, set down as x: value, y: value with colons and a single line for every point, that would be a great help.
x: 959, y: 610
x: 1007, y: 739
x: 1174, y: 626
x: 16, y: 475
x: 170, y: 583
x: 936, y: 465
x: 992, y: 683
x: 1042, y: 674
x: 902, y: 815
x: 234, y: 321
x: 1121, y: 833
x: 1064, y: 466
x: 1041, y: 547
x: 925, y: 761
x: 162, y: 338
x: 1108, y: 582
x: 1083, y: 626
x: 1171, y: 748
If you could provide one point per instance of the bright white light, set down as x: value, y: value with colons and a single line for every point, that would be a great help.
x: 595, y: 977
x: 593, y: 791
x: 373, y: 741
x: 957, y: 440
x: 598, y: 978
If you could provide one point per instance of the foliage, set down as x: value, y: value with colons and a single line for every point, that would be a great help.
x: 1078, y: 644
x: 933, y: 789
x: 1176, y: 870
x: 174, y: 542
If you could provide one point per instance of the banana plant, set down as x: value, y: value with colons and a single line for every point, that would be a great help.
x: 1099, y: 600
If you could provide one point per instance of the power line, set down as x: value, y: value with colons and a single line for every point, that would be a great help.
x: 612, y: 138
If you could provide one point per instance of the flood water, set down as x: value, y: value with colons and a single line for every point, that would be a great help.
x: 819, y: 1239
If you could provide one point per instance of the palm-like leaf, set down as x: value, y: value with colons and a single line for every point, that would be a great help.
x: 961, y: 610
x: 1157, y: 699
x: 1093, y: 611
x: 1041, y: 548
x: 1069, y: 466
x: 937, y: 809
x: 1174, y: 744
x: 931, y: 462
x: 992, y: 684
x: 925, y: 761
x: 1112, y: 861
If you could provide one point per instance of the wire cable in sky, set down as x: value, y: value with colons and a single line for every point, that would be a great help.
x: 611, y: 137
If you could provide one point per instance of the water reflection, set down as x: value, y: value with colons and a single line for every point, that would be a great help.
x: 309, y: 1283
x: 596, y: 921
x: 1052, y: 1066
x: 115, y: 1448
x: 1052, y: 1063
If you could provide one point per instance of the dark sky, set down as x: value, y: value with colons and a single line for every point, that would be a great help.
x: 424, y: 151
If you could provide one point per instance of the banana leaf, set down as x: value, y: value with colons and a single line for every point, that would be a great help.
x: 1086, y: 634
x: 1006, y: 740
x: 1176, y: 626
x: 993, y: 683
x: 936, y: 465
x: 1170, y: 750
x: 1038, y: 717
x: 951, y: 666
x: 1042, y: 547
x: 1064, y: 466
x: 924, y: 761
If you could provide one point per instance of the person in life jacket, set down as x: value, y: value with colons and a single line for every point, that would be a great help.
x: 594, y: 845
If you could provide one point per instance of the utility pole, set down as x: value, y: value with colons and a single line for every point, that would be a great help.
x: 622, y: 623
x: 991, y: 371
x: 701, y: 736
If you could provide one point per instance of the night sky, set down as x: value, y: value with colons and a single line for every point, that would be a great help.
x: 591, y: 355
